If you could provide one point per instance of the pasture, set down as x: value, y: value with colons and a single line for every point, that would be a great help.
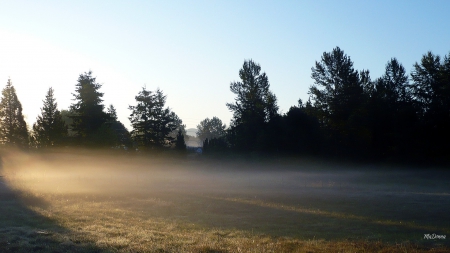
x: 83, y: 201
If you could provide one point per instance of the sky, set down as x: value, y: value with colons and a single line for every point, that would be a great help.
x: 193, y: 50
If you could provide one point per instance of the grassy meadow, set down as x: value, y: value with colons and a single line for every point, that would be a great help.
x: 86, y: 201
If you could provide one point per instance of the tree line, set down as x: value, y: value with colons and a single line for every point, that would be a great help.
x: 348, y: 114
x: 394, y: 116
x: 87, y: 124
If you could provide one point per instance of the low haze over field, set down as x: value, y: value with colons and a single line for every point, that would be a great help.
x: 92, y: 201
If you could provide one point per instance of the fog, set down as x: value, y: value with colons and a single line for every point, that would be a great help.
x: 295, y: 198
x: 106, y: 173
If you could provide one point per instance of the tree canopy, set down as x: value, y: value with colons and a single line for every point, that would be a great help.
x: 254, y: 106
x: 210, y: 129
x: 49, y: 129
x: 87, y: 109
x: 13, y: 129
x: 152, y: 122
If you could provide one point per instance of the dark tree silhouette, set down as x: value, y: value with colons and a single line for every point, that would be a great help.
x: 13, y: 129
x: 113, y: 133
x: 180, y: 144
x: 210, y: 128
x: 87, y: 110
x: 214, y: 145
x: 254, y: 106
x: 391, y: 111
x: 49, y: 129
x: 152, y: 123
x: 431, y: 91
x: 338, y: 95
x: 302, y: 131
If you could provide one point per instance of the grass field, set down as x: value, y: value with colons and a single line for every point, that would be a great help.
x: 92, y: 202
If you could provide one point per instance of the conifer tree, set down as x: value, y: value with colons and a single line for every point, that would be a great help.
x: 13, y: 129
x: 49, y: 129
x: 116, y: 134
x: 180, y: 144
x: 87, y: 110
x: 152, y: 122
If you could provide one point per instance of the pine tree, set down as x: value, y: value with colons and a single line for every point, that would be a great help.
x: 13, y: 129
x: 88, y: 115
x: 431, y: 91
x: 152, y: 122
x: 49, y: 129
x: 116, y: 134
x: 180, y: 144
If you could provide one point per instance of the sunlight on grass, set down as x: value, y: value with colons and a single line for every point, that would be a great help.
x: 74, y: 202
x: 325, y: 213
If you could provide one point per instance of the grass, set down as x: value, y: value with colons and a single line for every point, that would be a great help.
x: 81, y: 202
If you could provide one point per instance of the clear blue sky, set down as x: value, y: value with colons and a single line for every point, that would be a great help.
x: 192, y: 50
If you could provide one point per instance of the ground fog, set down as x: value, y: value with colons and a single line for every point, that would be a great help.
x: 96, y: 201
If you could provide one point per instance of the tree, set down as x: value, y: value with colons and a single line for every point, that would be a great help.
x: 254, y: 106
x: 112, y: 113
x: 49, y: 129
x: 88, y: 115
x: 180, y: 144
x: 152, y: 123
x: 302, y: 132
x: 179, y: 126
x: 214, y: 145
x: 113, y: 133
x: 210, y: 128
x: 393, y: 85
x: 391, y: 111
x: 338, y: 96
x: 431, y: 91
x: 13, y: 129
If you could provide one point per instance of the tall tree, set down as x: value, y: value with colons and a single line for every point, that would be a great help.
x: 211, y: 128
x: 88, y: 115
x: 49, y: 129
x: 431, y: 90
x: 254, y: 106
x: 337, y: 96
x: 180, y: 144
x: 391, y: 111
x: 152, y: 122
x: 13, y: 129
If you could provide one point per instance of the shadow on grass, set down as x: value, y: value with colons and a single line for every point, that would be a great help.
x: 24, y: 230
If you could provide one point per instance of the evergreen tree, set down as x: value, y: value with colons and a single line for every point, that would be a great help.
x: 112, y: 113
x: 49, y: 129
x: 391, y: 111
x: 431, y: 91
x: 152, y: 122
x: 88, y: 115
x: 115, y: 133
x: 255, y: 105
x: 13, y: 129
x: 180, y: 144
